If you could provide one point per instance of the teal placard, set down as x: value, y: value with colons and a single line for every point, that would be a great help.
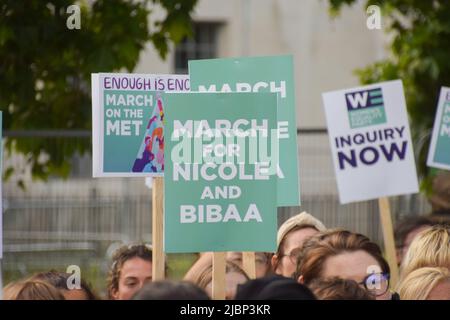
x: 442, y: 151
x: 439, y: 151
x: 128, y: 128
x: 260, y: 74
x: 365, y: 108
x: 216, y: 201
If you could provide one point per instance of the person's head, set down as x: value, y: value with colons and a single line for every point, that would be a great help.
x: 234, y: 276
x: 131, y: 268
x: 170, y: 290
x: 61, y: 280
x: 405, y: 232
x: 439, y: 199
x: 263, y: 266
x: 33, y: 290
x: 291, y: 236
x: 431, y: 248
x: 346, y: 255
x: 426, y: 284
x: 273, y: 287
x: 339, y: 289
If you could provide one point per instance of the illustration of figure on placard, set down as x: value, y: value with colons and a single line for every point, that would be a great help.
x: 150, y: 157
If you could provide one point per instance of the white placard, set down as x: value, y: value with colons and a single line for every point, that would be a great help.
x: 370, y: 141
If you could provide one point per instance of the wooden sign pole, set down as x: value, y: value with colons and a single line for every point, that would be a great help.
x: 388, y: 237
x: 218, y: 276
x: 249, y: 264
x: 1, y: 279
x: 158, y: 258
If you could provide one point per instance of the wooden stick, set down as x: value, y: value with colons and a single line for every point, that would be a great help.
x: 249, y: 264
x: 1, y: 278
x: 158, y: 263
x: 388, y: 236
x: 218, y: 279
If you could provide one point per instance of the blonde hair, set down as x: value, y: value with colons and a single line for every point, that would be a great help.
x: 204, y: 276
x: 431, y: 248
x: 11, y: 290
x: 418, y: 284
x: 32, y: 290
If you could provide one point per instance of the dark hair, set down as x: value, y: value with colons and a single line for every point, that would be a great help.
x: 339, y: 289
x: 59, y: 281
x: 122, y: 255
x: 170, y: 290
x: 273, y: 287
x: 330, y: 243
x: 406, y: 225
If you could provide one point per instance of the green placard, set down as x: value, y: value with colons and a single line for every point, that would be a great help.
x: 125, y: 131
x: 439, y: 152
x: 260, y: 74
x: 442, y: 151
x: 219, y: 191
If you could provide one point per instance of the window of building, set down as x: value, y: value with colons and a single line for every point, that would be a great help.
x: 203, y: 45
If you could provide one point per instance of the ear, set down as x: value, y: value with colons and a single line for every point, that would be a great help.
x: 301, y: 280
x: 114, y: 294
x: 274, y: 263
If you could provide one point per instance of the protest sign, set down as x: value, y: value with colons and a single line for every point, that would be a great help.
x: 439, y: 153
x: 220, y: 175
x: 372, y: 150
x: 127, y: 122
x: 260, y: 74
x: 370, y: 142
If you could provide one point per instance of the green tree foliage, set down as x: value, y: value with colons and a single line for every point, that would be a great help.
x: 420, y: 56
x: 45, y: 67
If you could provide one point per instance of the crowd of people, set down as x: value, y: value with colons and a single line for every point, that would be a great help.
x: 311, y: 262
